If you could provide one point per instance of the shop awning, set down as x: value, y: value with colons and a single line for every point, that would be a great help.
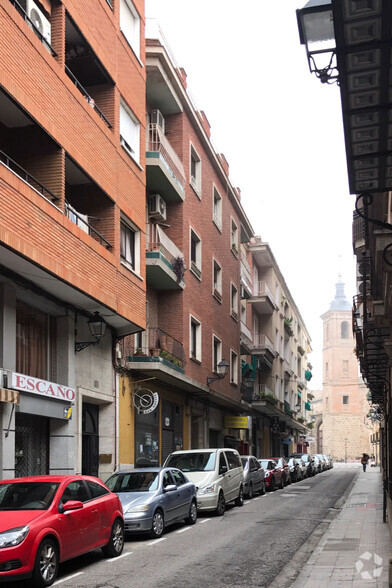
x: 7, y: 395
x: 299, y: 394
x: 307, y: 406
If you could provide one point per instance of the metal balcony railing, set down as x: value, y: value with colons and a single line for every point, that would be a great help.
x: 81, y: 220
x: 24, y: 15
x: 158, y: 143
x: 86, y: 95
x: 161, y: 344
x: 28, y: 178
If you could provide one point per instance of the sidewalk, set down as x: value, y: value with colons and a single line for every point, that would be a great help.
x: 355, y: 549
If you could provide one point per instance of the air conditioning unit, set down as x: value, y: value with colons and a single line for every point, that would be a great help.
x: 157, y: 118
x: 157, y: 207
x: 38, y: 19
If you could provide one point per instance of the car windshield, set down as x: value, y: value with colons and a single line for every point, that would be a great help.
x: 133, y: 482
x: 305, y: 458
x: 192, y: 462
x: 265, y: 463
x: 27, y: 495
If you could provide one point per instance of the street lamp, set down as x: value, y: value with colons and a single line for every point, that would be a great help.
x: 316, y: 32
x: 97, y: 328
x: 222, y: 368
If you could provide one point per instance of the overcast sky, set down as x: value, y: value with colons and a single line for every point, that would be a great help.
x: 281, y: 132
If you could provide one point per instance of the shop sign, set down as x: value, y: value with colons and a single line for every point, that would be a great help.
x: 145, y: 401
x: 287, y: 441
x: 42, y: 387
x: 236, y: 422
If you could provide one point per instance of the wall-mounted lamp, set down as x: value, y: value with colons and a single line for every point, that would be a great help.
x: 222, y: 369
x: 97, y: 328
x: 316, y: 32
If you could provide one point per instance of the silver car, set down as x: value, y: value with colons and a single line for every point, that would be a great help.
x: 153, y: 498
x: 253, y: 476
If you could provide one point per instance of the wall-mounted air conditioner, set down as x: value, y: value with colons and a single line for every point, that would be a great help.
x: 157, y: 207
x: 157, y: 118
x: 38, y: 19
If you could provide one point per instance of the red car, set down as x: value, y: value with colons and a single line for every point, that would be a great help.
x: 282, y: 463
x: 274, y: 475
x: 45, y: 520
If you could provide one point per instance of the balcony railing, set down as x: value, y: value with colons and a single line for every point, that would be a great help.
x: 262, y: 341
x: 161, y: 344
x: 28, y: 178
x: 81, y: 220
x: 245, y: 331
x: 86, y: 95
x: 261, y: 289
x: 24, y: 15
x: 158, y: 143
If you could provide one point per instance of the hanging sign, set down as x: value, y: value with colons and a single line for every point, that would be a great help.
x: 145, y: 401
x: 237, y: 422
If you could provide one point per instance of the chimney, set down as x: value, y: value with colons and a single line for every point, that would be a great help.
x: 224, y: 163
x: 204, y: 122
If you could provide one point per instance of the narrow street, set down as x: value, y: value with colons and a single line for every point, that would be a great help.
x: 248, y: 546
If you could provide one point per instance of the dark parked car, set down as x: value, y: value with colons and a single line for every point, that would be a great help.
x: 253, y: 476
x: 46, y: 520
x: 153, y: 498
x: 273, y: 474
x: 295, y: 469
x: 320, y: 464
x: 309, y: 460
x: 282, y: 463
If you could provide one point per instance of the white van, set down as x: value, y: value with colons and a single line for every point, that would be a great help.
x: 217, y: 474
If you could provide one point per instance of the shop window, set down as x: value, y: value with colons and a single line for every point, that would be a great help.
x: 147, y: 439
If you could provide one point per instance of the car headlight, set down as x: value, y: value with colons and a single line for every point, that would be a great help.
x: 138, y: 508
x: 207, y: 489
x: 267, y: 474
x: 13, y: 537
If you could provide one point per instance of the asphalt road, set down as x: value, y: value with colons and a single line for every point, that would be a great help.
x: 248, y: 546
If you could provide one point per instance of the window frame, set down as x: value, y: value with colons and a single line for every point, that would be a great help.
x: 133, y: 148
x: 217, y: 284
x: 216, y: 357
x: 194, y: 322
x: 135, y: 266
x: 132, y: 36
x: 234, y: 301
x: 234, y: 236
x: 195, y: 265
x: 217, y: 210
x: 195, y: 179
x: 233, y: 367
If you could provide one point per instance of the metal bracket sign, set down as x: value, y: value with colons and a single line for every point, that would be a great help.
x: 145, y: 401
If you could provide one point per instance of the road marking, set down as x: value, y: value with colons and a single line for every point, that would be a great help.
x: 302, y: 487
x: 288, y: 494
x: 119, y: 557
x: 183, y: 530
x: 204, y: 521
x: 257, y: 498
x: 246, y: 502
x: 157, y: 541
x: 67, y: 578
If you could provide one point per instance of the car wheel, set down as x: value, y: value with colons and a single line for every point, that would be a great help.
x: 46, y: 563
x: 192, y: 518
x: 221, y: 506
x: 262, y: 491
x: 239, y: 501
x: 250, y: 493
x: 281, y: 486
x: 158, y: 525
x: 272, y: 484
x: 115, y: 544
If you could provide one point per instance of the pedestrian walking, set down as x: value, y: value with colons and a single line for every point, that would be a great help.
x: 364, y: 460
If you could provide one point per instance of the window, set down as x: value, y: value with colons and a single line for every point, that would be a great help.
x: 179, y: 477
x: 344, y: 330
x: 195, y: 171
x: 326, y: 370
x: 217, y: 280
x: 233, y: 367
x: 345, y: 399
x: 96, y: 490
x: 217, y: 209
x: 130, y: 25
x: 234, y: 302
x: 216, y: 353
x: 233, y: 460
x: 129, y: 132
x: 130, y: 246
x: 234, y: 237
x: 195, y: 254
x: 195, y: 339
x: 35, y: 342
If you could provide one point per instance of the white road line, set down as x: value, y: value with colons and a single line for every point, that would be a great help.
x: 67, y: 578
x: 204, y: 521
x: 302, y: 487
x: 246, y: 502
x: 183, y: 530
x: 257, y: 498
x: 119, y: 557
x: 157, y: 541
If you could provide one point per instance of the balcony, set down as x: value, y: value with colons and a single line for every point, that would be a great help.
x: 246, y: 280
x: 262, y: 299
x: 161, y: 348
x: 263, y: 347
x: 164, y: 169
x: 246, y: 339
x: 165, y: 264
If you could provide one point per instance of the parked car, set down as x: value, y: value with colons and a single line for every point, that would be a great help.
x: 45, y: 520
x: 319, y: 464
x: 328, y: 461
x: 153, y: 498
x: 304, y: 468
x: 295, y: 469
x: 282, y: 463
x: 253, y: 476
x: 309, y: 460
x: 217, y: 473
x: 273, y: 474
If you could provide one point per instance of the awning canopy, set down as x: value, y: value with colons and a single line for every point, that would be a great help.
x: 7, y: 395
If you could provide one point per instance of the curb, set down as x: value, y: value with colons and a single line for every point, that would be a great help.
x: 293, y: 567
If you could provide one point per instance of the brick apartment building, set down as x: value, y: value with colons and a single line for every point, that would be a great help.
x: 72, y: 226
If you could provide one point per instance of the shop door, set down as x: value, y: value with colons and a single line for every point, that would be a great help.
x: 172, y: 428
x: 31, y: 445
x: 90, y: 439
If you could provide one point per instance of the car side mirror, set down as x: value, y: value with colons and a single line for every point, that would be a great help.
x: 223, y: 469
x: 70, y: 505
x: 170, y: 488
